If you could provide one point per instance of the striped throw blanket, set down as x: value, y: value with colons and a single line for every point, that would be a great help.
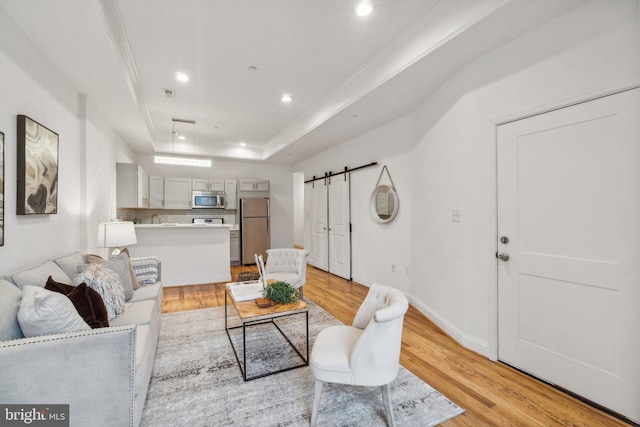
x: 146, y: 269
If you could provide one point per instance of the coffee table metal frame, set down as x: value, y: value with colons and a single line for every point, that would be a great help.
x: 267, y: 316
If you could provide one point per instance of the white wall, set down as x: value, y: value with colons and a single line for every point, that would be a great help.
x: 280, y: 181
x: 442, y: 157
x: 454, y: 280
x: 298, y: 209
x: 31, y: 86
x: 375, y: 246
x: 103, y: 149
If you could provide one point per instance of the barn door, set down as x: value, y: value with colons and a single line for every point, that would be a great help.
x: 339, y: 227
x: 320, y: 226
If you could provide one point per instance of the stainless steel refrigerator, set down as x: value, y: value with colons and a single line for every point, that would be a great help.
x: 255, y: 229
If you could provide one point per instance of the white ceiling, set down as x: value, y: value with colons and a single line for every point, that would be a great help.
x: 347, y: 74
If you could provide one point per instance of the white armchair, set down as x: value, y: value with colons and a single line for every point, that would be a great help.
x: 287, y: 265
x: 365, y: 354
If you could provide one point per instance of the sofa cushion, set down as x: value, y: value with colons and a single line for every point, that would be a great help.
x: 87, y: 302
x: 70, y: 263
x: 137, y: 313
x: 107, y: 284
x: 120, y: 266
x: 43, y: 312
x: 149, y: 292
x: 10, y: 297
x: 37, y: 276
x: 134, y: 279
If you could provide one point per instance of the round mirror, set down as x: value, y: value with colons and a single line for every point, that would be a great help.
x: 384, y: 203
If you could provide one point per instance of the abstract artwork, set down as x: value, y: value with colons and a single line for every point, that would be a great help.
x: 1, y: 189
x: 37, y: 168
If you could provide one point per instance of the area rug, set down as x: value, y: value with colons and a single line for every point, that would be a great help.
x: 196, y: 380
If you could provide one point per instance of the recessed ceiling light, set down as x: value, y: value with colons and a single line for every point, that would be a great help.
x: 252, y: 68
x: 243, y: 144
x: 182, y: 77
x: 286, y: 98
x: 182, y: 137
x: 364, y: 8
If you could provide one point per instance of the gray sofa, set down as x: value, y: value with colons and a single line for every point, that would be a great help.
x: 103, y: 374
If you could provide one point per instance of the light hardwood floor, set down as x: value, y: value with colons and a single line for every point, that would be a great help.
x: 493, y: 394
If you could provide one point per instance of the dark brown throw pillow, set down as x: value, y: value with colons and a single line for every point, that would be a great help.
x: 87, y: 302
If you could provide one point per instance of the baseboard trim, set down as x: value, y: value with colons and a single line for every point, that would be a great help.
x: 467, y: 341
x: 472, y: 343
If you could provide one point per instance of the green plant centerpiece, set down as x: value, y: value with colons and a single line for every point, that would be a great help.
x: 281, y: 293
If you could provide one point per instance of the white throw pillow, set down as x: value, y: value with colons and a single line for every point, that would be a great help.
x: 107, y: 283
x: 44, y: 312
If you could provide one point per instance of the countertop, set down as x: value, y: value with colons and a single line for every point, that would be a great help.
x: 231, y: 227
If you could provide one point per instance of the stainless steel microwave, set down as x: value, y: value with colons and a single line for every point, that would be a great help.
x: 207, y: 200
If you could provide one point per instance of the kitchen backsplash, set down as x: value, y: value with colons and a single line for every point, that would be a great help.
x: 178, y: 216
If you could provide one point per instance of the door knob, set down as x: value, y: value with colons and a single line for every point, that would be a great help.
x: 503, y: 256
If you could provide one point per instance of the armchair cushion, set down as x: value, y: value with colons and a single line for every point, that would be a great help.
x: 331, y: 351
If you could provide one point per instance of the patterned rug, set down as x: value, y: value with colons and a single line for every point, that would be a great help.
x: 196, y: 380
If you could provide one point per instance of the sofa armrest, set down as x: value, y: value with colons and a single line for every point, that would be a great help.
x: 92, y: 371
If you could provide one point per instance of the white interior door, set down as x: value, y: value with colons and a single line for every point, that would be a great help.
x: 569, y: 204
x: 319, y: 253
x: 339, y: 226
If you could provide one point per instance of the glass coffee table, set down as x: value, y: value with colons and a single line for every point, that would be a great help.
x: 242, y: 296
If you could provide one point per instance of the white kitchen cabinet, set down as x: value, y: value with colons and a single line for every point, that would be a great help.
x: 253, y: 185
x: 208, y: 185
x: 156, y: 192
x: 231, y: 194
x: 177, y: 193
x: 132, y: 186
x: 234, y: 246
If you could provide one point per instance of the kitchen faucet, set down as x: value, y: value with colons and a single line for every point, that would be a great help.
x: 153, y: 217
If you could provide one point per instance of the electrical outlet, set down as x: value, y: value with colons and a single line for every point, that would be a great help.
x: 393, y: 268
x: 455, y: 215
x: 406, y: 271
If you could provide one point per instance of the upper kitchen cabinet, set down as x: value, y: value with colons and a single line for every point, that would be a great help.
x: 156, y: 192
x: 254, y: 185
x: 132, y: 186
x: 231, y: 194
x: 208, y: 185
x: 177, y: 193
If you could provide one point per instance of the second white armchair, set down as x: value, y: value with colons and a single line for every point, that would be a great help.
x: 287, y: 265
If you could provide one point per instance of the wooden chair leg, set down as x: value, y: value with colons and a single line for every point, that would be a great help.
x: 316, y: 402
x: 388, y: 405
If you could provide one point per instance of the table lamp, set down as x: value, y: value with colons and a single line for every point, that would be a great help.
x: 116, y: 235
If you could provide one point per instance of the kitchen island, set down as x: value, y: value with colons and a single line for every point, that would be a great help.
x: 190, y: 253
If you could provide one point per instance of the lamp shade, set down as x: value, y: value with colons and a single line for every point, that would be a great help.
x: 116, y: 234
